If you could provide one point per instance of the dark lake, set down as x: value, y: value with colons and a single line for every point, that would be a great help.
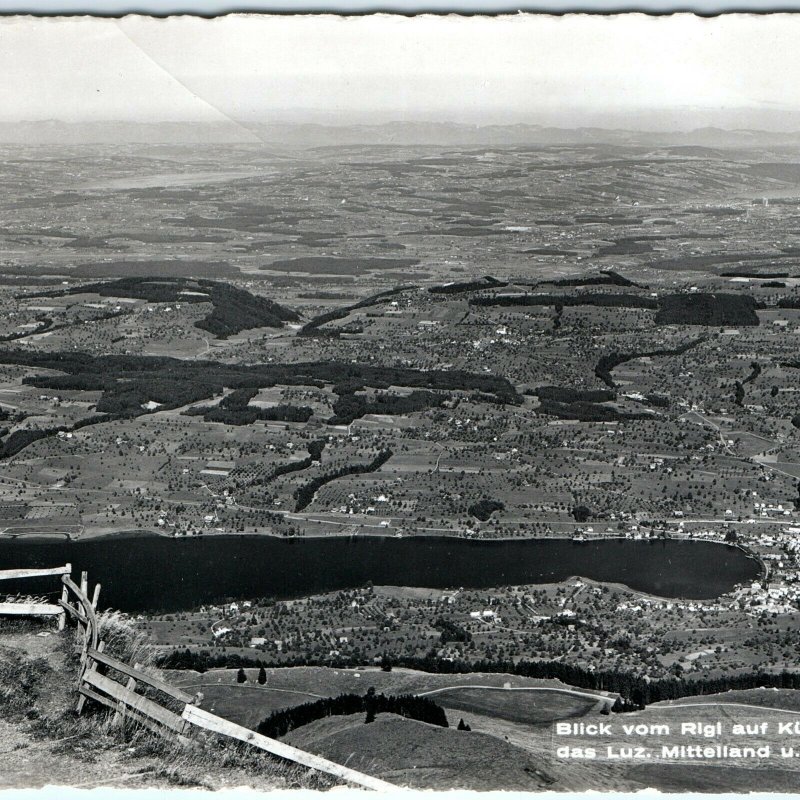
x: 157, y: 573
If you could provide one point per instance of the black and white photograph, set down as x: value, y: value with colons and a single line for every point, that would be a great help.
x: 400, y: 403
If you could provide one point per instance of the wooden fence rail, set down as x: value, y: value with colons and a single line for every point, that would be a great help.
x: 211, y: 722
x: 124, y: 698
x: 15, y: 574
x: 34, y: 609
x: 126, y: 701
x: 137, y: 674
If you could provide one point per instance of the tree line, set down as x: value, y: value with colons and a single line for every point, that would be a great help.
x: 610, y: 361
x: 468, y: 286
x: 635, y: 690
x: 304, y: 494
x: 315, y: 326
x: 279, y: 723
x: 233, y: 310
x: 130, y: 383
x: 599, y: 299
x: 351, y: 406
x: 127, y: 381
x: 235, y: 409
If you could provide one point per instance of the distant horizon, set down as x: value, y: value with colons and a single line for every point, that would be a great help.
x: 421, y: 132
x: 363, y: 123
x: 632, y: 72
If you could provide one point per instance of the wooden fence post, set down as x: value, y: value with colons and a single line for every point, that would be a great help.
x: 62, y: 620
x: 90, y: 666
x: 96, y: 596
x: 119, y: 715
x: 84, y: 629
x: 187, y: 729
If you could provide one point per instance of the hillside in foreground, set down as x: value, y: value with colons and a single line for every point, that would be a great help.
x: 43, y: 741
x: 500, y: 732
x: 423, y: 756
x: 510, y: 744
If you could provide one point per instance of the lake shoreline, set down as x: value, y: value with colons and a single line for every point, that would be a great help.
x: 555, y: 536
x: 141, y: 571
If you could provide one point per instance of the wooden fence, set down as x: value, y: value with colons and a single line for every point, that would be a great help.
x: 120, y: 687
x: 34, y: 609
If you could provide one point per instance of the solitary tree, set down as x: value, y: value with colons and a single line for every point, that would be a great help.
x: 241, y: 677
x: 262, y: 676
x: 370, y: 704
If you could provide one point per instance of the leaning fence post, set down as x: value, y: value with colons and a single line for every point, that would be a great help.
x: 90, y: 666
x: 96, y: 596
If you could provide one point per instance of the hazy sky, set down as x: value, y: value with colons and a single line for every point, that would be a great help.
x: 674, y: 72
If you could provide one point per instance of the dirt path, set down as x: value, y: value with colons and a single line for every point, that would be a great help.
x: 575, y: 692
x: 42, y: 742
x: 31, y: 758
x: 33, y: 762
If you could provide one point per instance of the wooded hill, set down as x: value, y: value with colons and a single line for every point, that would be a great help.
x: 233, y: 310
x: 279, y: 723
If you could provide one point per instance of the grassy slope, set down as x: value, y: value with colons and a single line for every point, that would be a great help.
x: 516, y: 722
x: 290, y: 686
x: 421, y: 755
x: 42, y: 741
x: 772, y: 698
x: 506, y: 748
x: 533, y: 708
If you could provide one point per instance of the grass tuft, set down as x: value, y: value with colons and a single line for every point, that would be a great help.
x: 124, y: 640
x: 21, y: 681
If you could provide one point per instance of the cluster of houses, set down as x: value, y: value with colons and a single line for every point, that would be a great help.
x: 774, y: 597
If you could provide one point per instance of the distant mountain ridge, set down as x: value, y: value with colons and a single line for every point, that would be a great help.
x: 391, y: 133
x: 122, y: 132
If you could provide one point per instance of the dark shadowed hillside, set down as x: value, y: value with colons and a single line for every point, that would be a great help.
x: 707, y: 309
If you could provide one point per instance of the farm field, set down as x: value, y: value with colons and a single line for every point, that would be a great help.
x: 286, y: 687
x: 564, y: 342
